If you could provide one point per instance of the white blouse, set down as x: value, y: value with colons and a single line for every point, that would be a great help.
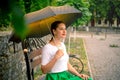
x: 48, y: 53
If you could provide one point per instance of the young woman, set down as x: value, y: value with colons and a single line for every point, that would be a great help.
x: 55, y: 60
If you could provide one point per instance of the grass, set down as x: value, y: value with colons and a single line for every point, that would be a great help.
x: 77, y: 47
x: 113, y: 45
x: 37, y: 73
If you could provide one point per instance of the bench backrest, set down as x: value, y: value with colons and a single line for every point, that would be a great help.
x: 33, y: 59
x: 32, y: 53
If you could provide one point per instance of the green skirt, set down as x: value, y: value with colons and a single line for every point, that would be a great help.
x: 65, y: 75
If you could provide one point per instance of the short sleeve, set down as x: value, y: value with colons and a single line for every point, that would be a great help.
x: 45, y: 55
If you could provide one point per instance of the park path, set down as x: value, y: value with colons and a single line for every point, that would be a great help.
x: 104, y: 60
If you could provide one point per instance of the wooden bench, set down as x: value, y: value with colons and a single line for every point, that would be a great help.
x: 33, y: 60
x: 32, y: 53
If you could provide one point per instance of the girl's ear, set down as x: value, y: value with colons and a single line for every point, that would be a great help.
x: 54, y: 32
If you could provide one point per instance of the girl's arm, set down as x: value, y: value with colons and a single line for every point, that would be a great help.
x: 46, y: 68
x: 73, y: 71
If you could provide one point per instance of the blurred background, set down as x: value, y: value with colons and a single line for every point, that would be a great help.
x: 95, y: 13
x: 95, y: 36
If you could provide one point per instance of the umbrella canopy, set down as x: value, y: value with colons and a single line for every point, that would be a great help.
x: 39, y: 22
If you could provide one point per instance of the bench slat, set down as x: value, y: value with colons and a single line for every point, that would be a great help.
x: 36, y: 62
x: 35, y: 53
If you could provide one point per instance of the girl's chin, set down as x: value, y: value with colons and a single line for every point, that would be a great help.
x: 64, y: 37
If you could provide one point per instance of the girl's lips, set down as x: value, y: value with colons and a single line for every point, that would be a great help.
x: 64, y: 34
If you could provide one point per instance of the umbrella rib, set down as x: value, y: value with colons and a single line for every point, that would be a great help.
x: 51, y: 10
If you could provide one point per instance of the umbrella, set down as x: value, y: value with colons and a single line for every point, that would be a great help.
x: 39, y: 21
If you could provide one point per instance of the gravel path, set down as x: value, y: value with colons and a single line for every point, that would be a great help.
x: 104, y: 60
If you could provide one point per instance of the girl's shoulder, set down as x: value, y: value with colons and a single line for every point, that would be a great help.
x: 46, y: 46
x: 49, y: 46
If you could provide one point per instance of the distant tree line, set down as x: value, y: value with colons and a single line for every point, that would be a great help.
x: 12, y: 11
x: 107, y: 9
x: 10, y: 8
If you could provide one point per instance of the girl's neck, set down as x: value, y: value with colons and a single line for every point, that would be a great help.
x: 55, y: 41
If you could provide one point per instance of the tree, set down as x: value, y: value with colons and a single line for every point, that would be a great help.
x: 4, y: 13
x: 83, y: 6
x: 39, y: 4
x: 27, y: 4
x: 113, y: 11
x: 16, y: 9
x: 108, y: 9
x: 13, y: 11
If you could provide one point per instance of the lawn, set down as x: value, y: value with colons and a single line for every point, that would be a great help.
x: 77, y: 47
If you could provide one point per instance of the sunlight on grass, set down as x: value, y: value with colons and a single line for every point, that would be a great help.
x: 37, y: 73
x: 77, y: 47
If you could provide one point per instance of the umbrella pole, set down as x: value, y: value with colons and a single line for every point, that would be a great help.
x: 74, y: 34
x: 69, y: 43
x: 51, y: 34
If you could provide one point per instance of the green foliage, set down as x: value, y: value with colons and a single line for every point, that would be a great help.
x: 13, y: 11
x: 27, y: 4
x: 109, y: 9
x: 38, y: 4
x: 17, y: 19
x: 81, y: 5
x: 18, y: 22
x: 113, y: 45
x: 4, y: 13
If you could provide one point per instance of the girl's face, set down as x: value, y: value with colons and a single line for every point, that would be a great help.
x: 60, y: 31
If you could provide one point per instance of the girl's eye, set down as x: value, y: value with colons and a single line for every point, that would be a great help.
x: 62, y: 28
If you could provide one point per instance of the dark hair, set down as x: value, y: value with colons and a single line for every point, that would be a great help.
x: 54, y: 25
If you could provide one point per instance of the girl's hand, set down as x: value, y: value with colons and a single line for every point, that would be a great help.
x: 85, y: 77
x: 59, y: 54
